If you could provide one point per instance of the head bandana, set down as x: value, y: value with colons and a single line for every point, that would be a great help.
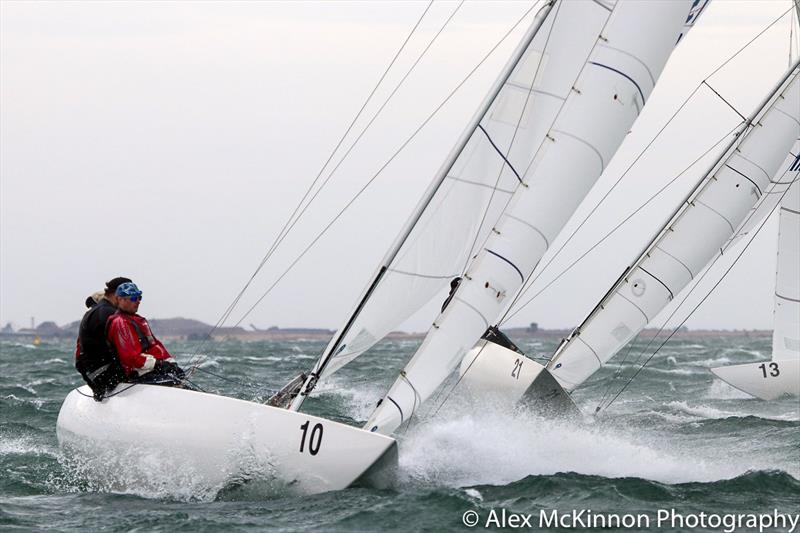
x: 129, y: 290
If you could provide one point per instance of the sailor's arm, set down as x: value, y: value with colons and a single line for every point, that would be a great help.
x: 126, y: 342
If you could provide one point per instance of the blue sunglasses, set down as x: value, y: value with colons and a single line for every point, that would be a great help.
x: 136, y: 298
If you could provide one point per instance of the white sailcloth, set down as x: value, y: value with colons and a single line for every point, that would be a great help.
x: 552, y: 130
x: 437, y: 240
x: 733, y: 189
x: 786, y: 333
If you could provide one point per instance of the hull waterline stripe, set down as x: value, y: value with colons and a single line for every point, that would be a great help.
x: 507, y: 261
x: 500, y: 153
x: 747, y: 178
x: 795, y: 300
x: 612, y: 69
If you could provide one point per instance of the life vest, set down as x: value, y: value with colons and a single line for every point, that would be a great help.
x: 96, y: 360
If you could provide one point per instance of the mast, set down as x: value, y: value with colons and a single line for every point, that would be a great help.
x: 439, y: 178
x: 602, y: 318
x: 556, y: 136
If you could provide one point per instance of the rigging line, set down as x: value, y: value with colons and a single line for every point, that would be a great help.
x: 748, y: 43
x: 453, y: 388
x: 281, y: 234
x: 369, y: 124
x: 710, y: 291
x: 617, y: 227
x: 533, y: 280
x: 663, y: 325
x: 558, y: 113
x: 388, y: 161
x: 705, y: 82
x: 472, y: 249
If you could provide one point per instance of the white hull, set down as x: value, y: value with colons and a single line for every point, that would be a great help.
x: 490, y: 369
x: 768, y: 380
x: 491, y: 372
x: 148, y: 428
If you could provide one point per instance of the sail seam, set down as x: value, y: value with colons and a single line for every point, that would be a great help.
x: 415, y: 274
x: 507, y: 261
x: 689, y: 270
x: 538, y: 91
x: 671, y: 296
x: 474, y: 309
x: 636, y: 306
x: 599, y: 3
x: 500, y: 153
x: 720, y: 215
x: 759, y: 167
x: 623, y: 52
x: 587, y: 143
x: 787, y: 298
x: 742, y: 174
x: 590, y: 349
x: 790, y: 210
x: 479, y: 184
x: 641, y: 93
x: 782, y: 112
x: 531, y: 226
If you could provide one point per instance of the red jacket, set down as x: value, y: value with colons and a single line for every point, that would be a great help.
x: 126, y: 340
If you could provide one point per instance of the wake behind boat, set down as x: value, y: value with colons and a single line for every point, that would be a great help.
x: 142, y: 428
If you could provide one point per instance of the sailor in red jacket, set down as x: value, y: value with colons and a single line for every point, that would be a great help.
x: 143, y: 357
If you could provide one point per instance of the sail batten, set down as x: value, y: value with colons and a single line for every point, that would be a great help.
x: 602, y: 63
x: 728, y: 202
x: 464, y: 185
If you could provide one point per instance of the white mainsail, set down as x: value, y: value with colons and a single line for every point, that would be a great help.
x: 786, y: 323
x: 438, y: 237
x: 699, y: 231
x: 551, y: 131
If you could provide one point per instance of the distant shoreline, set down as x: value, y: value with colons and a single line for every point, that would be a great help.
x: 190, y: 329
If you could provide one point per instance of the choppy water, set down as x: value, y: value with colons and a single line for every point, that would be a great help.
x: 676, y: 439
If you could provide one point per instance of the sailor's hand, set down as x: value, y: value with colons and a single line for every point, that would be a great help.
x: 169, y: 367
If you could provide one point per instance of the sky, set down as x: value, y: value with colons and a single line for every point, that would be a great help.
x: 170, y: 141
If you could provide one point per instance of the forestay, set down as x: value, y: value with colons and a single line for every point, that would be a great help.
x: 786, y: 333
x: 545, y: 140
x: 738, y: 186
x: 436, y: 240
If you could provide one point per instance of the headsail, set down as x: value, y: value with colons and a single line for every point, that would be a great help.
x: 560, y: 118
x: 715, y: 213
x: 437, y: 239
x: 786, y: 333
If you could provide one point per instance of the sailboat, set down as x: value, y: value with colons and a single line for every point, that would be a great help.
x: 552, y: 121
x: 780, y: 376
x: 740, y: 189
